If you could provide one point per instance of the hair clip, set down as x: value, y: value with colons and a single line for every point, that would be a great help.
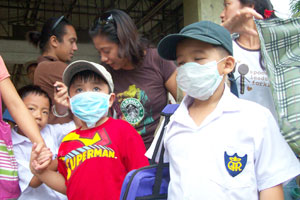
x: 268, y: 13
x: 57, y: 22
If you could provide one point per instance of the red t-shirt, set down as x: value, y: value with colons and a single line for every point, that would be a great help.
x: 94, y: 162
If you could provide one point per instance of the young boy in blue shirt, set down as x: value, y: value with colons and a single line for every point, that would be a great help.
x: 219, y: 146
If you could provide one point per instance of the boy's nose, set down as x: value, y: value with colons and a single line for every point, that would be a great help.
x: 222, y: 15
x: 37, y: 115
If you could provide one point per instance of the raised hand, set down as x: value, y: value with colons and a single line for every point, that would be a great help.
x: 238, y: 23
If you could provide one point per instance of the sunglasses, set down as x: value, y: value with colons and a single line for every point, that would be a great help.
x: 106, y: 18
x: 57, y: 22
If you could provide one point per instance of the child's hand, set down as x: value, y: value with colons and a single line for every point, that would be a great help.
x: 40, y: 158
x: 61, y: 97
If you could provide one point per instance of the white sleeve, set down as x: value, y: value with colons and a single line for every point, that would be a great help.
x: 61, y: 130
x: 151, y: 149
x: 24, y: 172
x: 275, y: 162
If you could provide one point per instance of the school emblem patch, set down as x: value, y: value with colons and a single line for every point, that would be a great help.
x: 235, y: 164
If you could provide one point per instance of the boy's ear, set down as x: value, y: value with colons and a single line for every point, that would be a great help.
x: 112, y: 99
x: 229, y: 65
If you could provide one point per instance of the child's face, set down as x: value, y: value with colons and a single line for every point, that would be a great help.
x: 190, y: 50
x: 39, y: 107
x: 79, y: 86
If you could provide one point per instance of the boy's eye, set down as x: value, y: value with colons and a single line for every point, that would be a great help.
x: 30, y: 108
x: 180, y: 63
x: 96, y: 89
x: 46, y: 112
x: 226, y: 4
x: 78, y: 90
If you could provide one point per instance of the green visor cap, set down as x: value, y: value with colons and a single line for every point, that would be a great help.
x: 204, y: 31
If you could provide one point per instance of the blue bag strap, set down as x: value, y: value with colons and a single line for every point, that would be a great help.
x: 169, y: 109
x: 167, y: 112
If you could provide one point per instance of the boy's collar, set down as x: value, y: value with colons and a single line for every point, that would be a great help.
x: 18, y: 138
x: 228, y: 101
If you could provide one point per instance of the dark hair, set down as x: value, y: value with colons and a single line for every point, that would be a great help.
x: 33, y: 89
x: 30, y: 65
x: 119, y: 28
x: 51, y: 27
x: 87, y: 75
x: 260, y: 6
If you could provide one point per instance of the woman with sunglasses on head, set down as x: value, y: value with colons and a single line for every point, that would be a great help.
x: 57, y: 43
x: 250, y: 73
x: 142, y: 79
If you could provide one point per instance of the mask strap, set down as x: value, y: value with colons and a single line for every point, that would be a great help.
x: 221, y: 60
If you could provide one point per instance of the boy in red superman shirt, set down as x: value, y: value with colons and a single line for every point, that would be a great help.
x: 93, y: 159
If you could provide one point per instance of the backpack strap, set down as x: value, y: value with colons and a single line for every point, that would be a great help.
x: 167, y: 112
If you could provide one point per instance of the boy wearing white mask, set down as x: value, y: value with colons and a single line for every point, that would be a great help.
x: 94, y: 159
x: 219, y: 146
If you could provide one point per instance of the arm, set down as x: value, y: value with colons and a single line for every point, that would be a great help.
x: 61, y: 101
x: 171, y: 84
x: 239, y: 22
x: 35, y: 181
x: 54, y: 180
x: 19, y: 112
x: 61, y: 98
x: 51, y: 178
x: 274, y: 193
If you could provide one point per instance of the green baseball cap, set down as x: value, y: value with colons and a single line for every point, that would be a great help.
x: 204, y: 31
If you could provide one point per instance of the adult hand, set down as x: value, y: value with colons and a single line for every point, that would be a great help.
x: 239, y: 22
x: 61, y: 97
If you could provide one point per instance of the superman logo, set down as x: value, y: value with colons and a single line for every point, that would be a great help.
x: 98, y: 138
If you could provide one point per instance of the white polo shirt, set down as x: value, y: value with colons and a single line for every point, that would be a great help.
x: 52, y: 135
x: 236, y: 152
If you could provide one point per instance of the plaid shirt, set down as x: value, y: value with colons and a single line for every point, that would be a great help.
x: 280, y: 40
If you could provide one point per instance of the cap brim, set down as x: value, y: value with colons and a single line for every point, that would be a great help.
x: 167, y: 46
x: 82, y: 65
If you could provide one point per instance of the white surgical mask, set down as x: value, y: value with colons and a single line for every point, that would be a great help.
x: 199, y: 81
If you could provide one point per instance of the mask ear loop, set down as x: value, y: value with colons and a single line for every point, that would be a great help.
x: 218, y: 63
x: 110, y: 106
x: 221, y: 60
